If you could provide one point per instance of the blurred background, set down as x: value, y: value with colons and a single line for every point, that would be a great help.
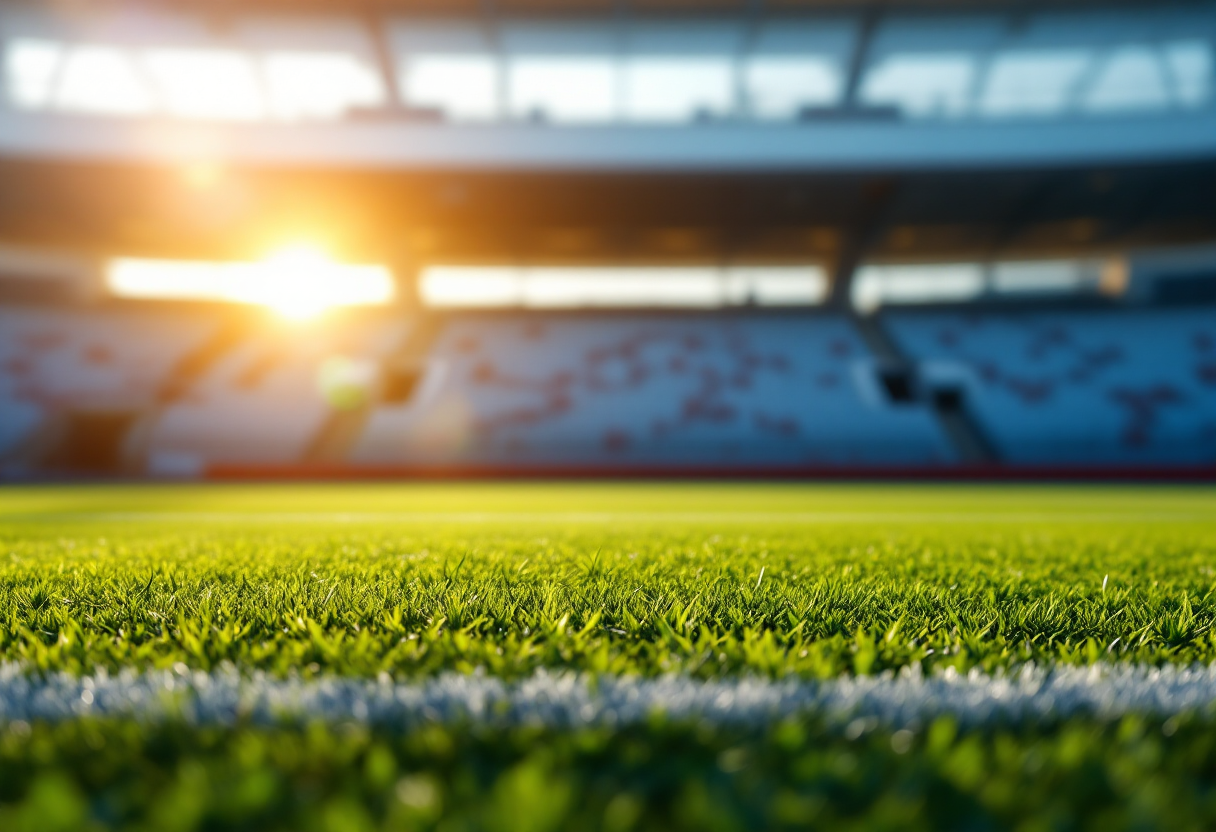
x: 754, y: 237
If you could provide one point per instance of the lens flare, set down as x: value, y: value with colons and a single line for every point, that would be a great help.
x: 298, y: 282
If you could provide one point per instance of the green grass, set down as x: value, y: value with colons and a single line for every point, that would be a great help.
x: 1083, y: 775
x: 713, y: 580
x: 709, y: 580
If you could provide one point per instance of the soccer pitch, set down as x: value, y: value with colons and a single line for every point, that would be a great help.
x: 534, y: 656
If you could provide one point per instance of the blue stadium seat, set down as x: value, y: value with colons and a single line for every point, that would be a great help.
x: 1117, y: 387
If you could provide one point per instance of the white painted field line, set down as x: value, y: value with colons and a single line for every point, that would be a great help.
x: 565, y: 700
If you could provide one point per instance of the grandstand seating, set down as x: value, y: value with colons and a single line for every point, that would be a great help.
x: 262, y: 402
x: 56, y: 359
x: 1120, y: 387
x: 781, y: 390
x: 798, y: 390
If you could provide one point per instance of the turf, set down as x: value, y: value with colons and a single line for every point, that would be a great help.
x: 708, y: 580
x: 1084, y: 775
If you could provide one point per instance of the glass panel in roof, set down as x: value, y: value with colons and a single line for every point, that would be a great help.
x: 447, y: 66
x: 314, y: 67
x: 678, y: 89
x: 464, y: 87
x: 792, y: 66
x: 31, y: 68
x: 1190, y: 64
x: 562, y: 89
x: 302, y: 85
x: 139, y: 60
x: 1128, y: 79
x: 922, y: 86
x: 1033, y: 83
x: 781, y: 87
x: 561, y: 72
x: 927, y: 66
x: 102, y: 80
x: 205, y: 83
x: 674, y: 73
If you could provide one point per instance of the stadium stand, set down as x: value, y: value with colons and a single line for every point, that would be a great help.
x: 266, y: 399
x: 862, y: 138
x: 1104, y: 387
x: 55, y: 361
x: 177, y: 392
x: 19, y: 417
x: 716, y: 390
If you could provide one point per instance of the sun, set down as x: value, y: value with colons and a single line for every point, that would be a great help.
x: 300, y: 282
x: 297, y: 282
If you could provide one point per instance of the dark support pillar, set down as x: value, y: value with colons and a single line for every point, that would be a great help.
x: 859, y: 239
x: 857, y: 61
x: 844, y: 267
x: 386, y: 61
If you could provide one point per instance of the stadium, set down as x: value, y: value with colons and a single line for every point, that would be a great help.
x: 607, y: 414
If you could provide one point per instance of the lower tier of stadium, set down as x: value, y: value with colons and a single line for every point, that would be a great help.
x: 174, y: 391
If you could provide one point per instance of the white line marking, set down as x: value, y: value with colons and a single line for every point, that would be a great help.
x: 564, y: 700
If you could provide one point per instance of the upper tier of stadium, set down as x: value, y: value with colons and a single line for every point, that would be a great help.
x: 201, y: 127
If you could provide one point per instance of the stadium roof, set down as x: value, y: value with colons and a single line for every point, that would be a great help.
x: 460, y: 7
x: 510, y: 217
x: 783, y: 139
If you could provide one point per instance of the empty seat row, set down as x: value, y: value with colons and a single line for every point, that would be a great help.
x: 54, y: 360
x: 652, y: 391
x: 1114, y: 386
x: 267, y: 398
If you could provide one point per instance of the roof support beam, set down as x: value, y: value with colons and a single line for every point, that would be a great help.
x: 860, y: 239
x: 386, y: 60
x: 857, y: 61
